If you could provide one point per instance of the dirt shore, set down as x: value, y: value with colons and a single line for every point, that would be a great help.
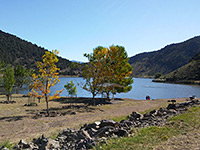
x: 17, y: 121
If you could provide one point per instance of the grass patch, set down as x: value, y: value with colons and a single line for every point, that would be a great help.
x: 53, y: 136
x: 118, y: 119
x: 147, y: 138
x: 7, y: 144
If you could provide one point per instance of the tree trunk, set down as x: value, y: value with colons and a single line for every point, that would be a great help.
x: 8, y: 97
x: 17, y: 90
x: 39, y: 99
x: 46, y: 98
x: 93, y: 97
x: 113, y: 94
x: 108, y: 95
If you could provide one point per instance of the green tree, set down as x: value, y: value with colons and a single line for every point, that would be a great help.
x: 8, y: 80
x: 119, y: 70
x: 21, y: 77
x: 92, y: 73
x: 71, y: 88
x: 108, y: 66
x: 157, y: 75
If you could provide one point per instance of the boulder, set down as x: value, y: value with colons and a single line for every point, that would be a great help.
x: 23, y: 144
x: 172, y: 101
x: 41, y: 142
x: 61, y: 138
x: 94, y: 125
x: 105, y: 131
x: 53, y: 144
x: 73, y: 113
x: 121, y: 132
x: 135, y: 116
x: 171, y: 106
x: 126, y: 123
x: 3, y: 148
x: 66, y: 132
x: 107, y: 122
x: 92, y: 132
x: 86, y: 134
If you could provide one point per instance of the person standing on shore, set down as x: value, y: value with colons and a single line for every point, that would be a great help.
x: 147, y: 97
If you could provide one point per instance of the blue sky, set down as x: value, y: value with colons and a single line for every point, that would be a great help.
x: 75, y: 27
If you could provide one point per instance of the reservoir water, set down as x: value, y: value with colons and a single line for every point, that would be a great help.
x: 140, y: 89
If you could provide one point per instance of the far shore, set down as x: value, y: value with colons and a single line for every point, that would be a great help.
x: 177, y: 81
x: 69, y: 76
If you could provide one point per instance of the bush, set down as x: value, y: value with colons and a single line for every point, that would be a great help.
x: 157, y: 75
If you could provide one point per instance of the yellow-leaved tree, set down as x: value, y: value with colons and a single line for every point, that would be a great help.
x: 108, y: 71
x: 47, y: 77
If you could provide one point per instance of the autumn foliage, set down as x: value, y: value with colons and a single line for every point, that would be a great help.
x: 107, y: 67
x: 47, y: 77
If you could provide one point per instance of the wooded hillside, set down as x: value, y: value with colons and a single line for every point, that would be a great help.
x: 190, y: 71
x: 165, y: 60
x: 14, y: 50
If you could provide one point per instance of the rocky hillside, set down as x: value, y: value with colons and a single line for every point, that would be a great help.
x: 14, y: 50
x: 166, y: 59
x: 190, y: 71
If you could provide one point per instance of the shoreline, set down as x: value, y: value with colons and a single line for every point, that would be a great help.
x: 190, y: 82
x: 69, y: 76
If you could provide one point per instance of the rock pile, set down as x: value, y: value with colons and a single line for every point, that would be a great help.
x: 51, y: 114
x: 31, y: 104
x: 90, y: 134
x: 7, y: 102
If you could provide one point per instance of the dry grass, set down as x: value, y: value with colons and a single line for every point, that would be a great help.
x: 16, y: 120
x: 188, y: 141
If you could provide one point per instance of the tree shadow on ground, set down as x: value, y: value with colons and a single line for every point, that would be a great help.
x: 77, y: 108
x: 13, y: 118
x: 64, y: 110
x: 84, y: 100
x: 31, y: 111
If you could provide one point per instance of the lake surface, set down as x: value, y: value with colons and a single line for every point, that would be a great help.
x: 140, y: 89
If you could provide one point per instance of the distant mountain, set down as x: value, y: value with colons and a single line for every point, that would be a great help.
x: 77, y: 61
x: 14, y: 50
x: 165, y: 60
x: 190, y: 71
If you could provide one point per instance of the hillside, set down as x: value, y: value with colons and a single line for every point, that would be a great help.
x: 166, y: 59
x: 190, y: 71
x: 14, y: 50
